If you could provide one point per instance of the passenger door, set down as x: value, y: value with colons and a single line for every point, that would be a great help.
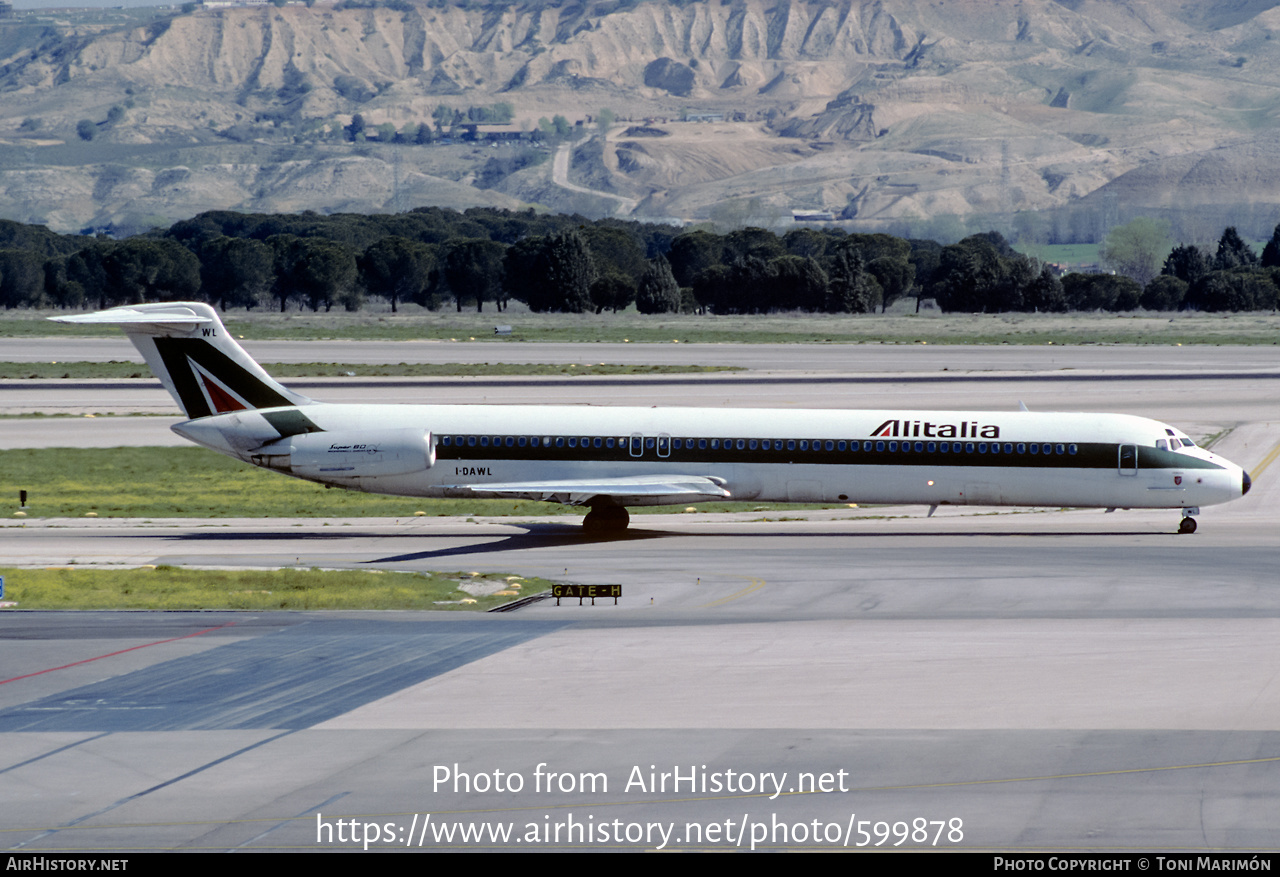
x: 1128, y: 459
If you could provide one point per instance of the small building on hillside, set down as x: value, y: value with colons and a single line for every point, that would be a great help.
x: 812, y: 216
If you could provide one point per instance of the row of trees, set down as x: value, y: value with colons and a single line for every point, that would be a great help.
x: 421, y: 133
x: 435, y: 257
x: 1232, y: 278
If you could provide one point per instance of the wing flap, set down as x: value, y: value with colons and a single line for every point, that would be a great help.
x: 637, y: 490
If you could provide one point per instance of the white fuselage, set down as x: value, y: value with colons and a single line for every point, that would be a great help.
x: 924, y: 457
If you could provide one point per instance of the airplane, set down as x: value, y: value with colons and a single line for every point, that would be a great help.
x: 610, y: 458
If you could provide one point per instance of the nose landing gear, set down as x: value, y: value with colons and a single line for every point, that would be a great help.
x: 1188, y: 524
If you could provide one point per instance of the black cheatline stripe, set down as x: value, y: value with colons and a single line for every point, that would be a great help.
x: 1093, y: 455
x: 248, y: 386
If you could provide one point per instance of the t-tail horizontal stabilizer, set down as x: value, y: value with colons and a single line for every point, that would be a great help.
x: 201, y: 365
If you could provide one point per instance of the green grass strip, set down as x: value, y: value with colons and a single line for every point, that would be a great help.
x: 169, y: 587
x: 193, y: 482
x: 197, y: 483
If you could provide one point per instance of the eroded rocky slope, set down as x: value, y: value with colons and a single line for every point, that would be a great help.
x: 893, y: 110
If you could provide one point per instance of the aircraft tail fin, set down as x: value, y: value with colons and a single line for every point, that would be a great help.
x: 201, y: 365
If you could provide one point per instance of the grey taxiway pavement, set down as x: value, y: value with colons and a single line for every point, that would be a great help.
x: 1064, y: 680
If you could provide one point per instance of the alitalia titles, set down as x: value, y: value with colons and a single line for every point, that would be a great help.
x: 925, y: 429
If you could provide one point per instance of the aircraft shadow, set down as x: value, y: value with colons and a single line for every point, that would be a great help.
x: 553, y: 535
x: 535, y: 536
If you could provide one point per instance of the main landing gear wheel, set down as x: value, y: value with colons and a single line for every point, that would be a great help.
x: 1188, y: 525
x: 606, y: 520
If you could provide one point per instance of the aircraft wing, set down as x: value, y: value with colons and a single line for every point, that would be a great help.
x: 634, y: 490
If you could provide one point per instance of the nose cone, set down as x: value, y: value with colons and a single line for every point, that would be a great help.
x: 1245, y: 482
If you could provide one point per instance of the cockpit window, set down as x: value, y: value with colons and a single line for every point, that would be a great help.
x: 1188, y: 443
x: 1162, y: 444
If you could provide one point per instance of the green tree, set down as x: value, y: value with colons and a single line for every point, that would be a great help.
x: 134, y: 271
x: 328, y: 274
x: 519, y: 265
x: 604, y: 121
x: 612, y: 290
x: 1137, y: 248
x: 355, y: 131
x: 807, y: 242
x: 1187, y: 262
x: 712, y: 287
x: 1164, y: 293
x: 752, y: 241
x: 473, y: 271
x: 614, y: 250
x: 397, y: 269
x: 1233, y: 252
x: 749, y: 289
x: 925, y: 256
x: 888, y: 260
x: 21, y: 278
x: 799, y: 283
x: 315, y: 271
x: 1044, y: 293
x: 86, y: 129
x: 444, y: 117
x: 285, y: 250
x: 982, y: 273
x: 657, y: 292
x: 850, y: 290
x: 1101, y: 292
x: 565, y: 272
x: 235, y: 272
x: 968, y: 275
x: 1271, y: 252
x: 556, y: 128
x: 693, y: 253
x: 37, y: 239
x: 1238, y: 290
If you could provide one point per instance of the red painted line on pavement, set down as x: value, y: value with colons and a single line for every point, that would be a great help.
x: 121, y: 652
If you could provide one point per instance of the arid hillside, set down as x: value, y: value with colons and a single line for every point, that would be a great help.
x: 897, y: 113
